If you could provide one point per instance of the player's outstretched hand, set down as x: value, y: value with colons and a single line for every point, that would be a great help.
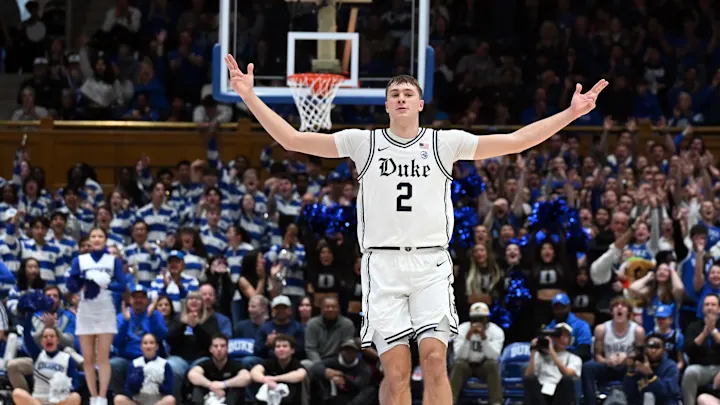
x: 583, y: 103
x: 241, y: 82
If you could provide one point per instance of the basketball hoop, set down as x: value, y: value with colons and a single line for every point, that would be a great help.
x: 313, y: 94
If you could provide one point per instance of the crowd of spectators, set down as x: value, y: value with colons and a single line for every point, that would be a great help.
x: 496, y: 63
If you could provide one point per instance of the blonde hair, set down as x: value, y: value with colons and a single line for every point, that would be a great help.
x: 473, y: 278
x: 203, y: 311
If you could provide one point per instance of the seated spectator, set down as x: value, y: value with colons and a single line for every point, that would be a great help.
x: 142, y: 383
x: 712, y: 398
x: 174, y: 283
x: 282, y: 322
x: 651, y: 374
x: 60, y: 319
x: 29, y: 111
x: 582, y: 338
x: 134, y: 323
x: 257, y: 309
x: 190, y: 338
x: 346, y: 377
x: 210, y: 111
x: 208, y: 294
x: 673, y: 337
x: 613, y: 341
x: 552, y: 371
x: 48, y: 362
x: 220, y: 375
x: 477, y: 348
x: 703, y: 350
x: 280, y: 375
x: 325, y: 332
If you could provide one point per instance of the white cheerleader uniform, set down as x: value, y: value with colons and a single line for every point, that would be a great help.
x: 44, y: 368
x: 96, y: 316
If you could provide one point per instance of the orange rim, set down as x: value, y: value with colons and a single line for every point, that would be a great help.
x: 319, y: 83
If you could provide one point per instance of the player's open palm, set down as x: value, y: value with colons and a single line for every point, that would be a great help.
x: 583, y: 103
x: 241, y: 82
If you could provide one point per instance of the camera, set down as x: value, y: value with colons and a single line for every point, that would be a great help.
x: 543, y: 342
x: 638, y: 353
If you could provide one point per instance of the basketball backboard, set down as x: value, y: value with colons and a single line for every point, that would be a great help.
x: 363, y: 86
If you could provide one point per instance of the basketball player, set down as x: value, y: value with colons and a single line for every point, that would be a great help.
x: 405, y: 219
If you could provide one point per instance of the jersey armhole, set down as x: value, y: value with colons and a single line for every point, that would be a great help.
x: 436, y: 153
x: 371, y: 153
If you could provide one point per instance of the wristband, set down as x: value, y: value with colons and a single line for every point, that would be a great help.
x: 225, y: 384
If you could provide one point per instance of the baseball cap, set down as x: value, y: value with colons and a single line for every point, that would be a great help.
x: 479, y: 310
x: 350, y: 344
x: 663, y: 311
x: 281, y: 300
x: 138, y: 288
x: 563, y: 325
x: 561, y: 299
x: 176, y: 253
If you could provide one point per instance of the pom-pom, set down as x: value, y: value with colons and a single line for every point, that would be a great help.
x: 212, y: 399
x: 135, y: 378
x: 154, y: 374
x: 466, y: 219
x: 470, y: 186
x: 60, y: 388
x: 75, y: 282
x: 92, y: 290
x: 341, y: 219
x: 315, y: 217
x: 100, y: 278
x: 35, y: 301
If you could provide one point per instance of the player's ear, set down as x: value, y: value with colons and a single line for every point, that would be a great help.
x: 422, y: 105
x: 387, y: 110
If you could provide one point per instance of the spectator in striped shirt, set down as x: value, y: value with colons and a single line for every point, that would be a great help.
x: 67, y: 244
x: 143, y: 256
x: 161, y: 218
x: 173, y: 282
x: 235, y: 254
x: 122, y: 214
x: 48, y: 255
x: 191, y: 245
x: 212, y: 236
x: 79, y: 218
x: 286, y: 201
x: 103, y: 216
x: 253, y: 223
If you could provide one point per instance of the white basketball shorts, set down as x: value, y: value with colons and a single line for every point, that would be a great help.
x: 406, y: 294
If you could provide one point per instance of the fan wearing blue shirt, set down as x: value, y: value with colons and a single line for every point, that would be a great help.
x: 674, y: 339
x: 133, y: 324
x: 581, y: 337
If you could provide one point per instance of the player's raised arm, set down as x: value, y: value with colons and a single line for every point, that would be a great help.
x: 537, y: 132
x: 286, y: 135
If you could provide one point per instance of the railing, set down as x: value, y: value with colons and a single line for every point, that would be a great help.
x: 110, y: 145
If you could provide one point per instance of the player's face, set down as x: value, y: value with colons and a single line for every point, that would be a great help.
x: 403, y: 101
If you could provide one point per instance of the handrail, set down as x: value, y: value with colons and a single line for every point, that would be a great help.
x: 247, y: 124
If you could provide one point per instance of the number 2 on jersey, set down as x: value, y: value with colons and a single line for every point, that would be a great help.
x: 405, y: 194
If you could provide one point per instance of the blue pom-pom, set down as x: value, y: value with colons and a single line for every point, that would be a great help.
x: 75, y: 283
x: 342, y: 219
x: 466, y: 219
x: 316, y: 218
x: 135, y: 378
x: 471, y: 186
x: 35, y: 301
x: 92, y: 290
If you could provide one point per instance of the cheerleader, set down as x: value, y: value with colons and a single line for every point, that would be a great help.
x: 54, y: 372
x: 149, y: 378
x: 95, y: 275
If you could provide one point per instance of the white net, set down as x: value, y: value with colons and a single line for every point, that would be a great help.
x: 313, y: 94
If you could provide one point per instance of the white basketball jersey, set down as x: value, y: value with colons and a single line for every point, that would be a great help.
x: 404, y: 194
x: 618, y: 344
x: 44, y: 369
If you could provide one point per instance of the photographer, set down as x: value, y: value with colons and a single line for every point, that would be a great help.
x: 477, y: 348
x: 552, y: 370
x: 582, y: 336
x: 652, y: 377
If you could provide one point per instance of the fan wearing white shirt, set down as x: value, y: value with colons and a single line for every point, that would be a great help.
x: 551, y: 373
x: 477, y: 348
